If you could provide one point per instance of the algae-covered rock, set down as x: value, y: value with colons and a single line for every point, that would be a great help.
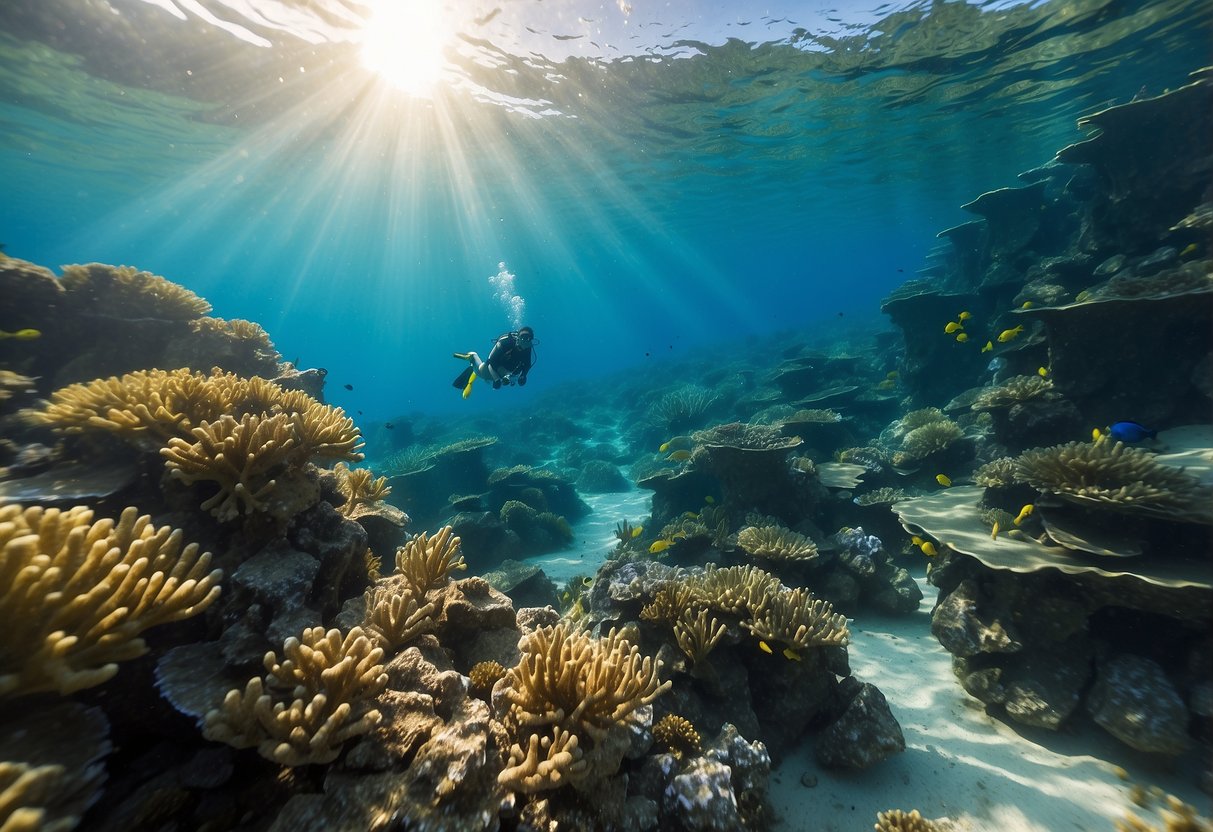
x: 865, y: 734
x: 1135, y: 702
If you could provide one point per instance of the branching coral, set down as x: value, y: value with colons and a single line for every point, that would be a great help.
x: 484, y: 675
x: 776, y: 543
x: 131, y: 292
x: 697, y: 633
x: 997, y: 473
x: 395, y: 618
x: 326, y: 432
x: 78, y: 593
x: 359, y: 487
x: 799, y: 620
x: 237, y: 329
x: 928, y: 439
x: 677, y: 734
x: 567, y: 678
x: 683, y: 406
x: 1118, y: 477
x: 426, y: 562
x: 11, y: 383
x: 1014, y: 390
x: 24, y: 790
x: 895, y: 820
x: 669, y: 601
x: 734, y: 589
x: 240, y: 456
x: 548, y: 762
x: 318, y: 697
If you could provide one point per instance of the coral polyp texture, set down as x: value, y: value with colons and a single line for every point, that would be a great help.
x: 394, y: 618
x: 359, y: 486
x: 78, y: 593
x: 677, y: 734
x: 426, y: 562
x: 697, y: 633
x: 776, y: 543
x: 132, y: 291
x: 308, y: 705
x: 1118, y: 477
x: 895, y: 820
x: 799, y: 620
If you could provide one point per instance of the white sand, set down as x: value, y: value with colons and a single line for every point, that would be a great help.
x: 594, y: 535
x: 961, y: 763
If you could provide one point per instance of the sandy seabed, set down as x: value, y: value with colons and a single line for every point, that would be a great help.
x: 963, y: 764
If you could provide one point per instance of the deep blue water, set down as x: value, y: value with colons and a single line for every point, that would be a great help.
x: 655, y: 185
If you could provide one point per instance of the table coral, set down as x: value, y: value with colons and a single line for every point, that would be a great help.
x: 78, y: 593
x: 308, y: 705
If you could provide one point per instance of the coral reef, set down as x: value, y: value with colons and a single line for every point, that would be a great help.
x: 798, y: 620
x: 896, y: 820
x: 79, y: 592
x: 776, y: 543
x: 677, y: 735
x: 308, y: 705
x: 426, y: 562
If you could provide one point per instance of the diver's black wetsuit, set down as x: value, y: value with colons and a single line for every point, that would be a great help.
x: 508, y: 359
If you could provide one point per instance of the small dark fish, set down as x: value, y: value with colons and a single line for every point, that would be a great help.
x: 646, y: 355
x: 348, y: 386
x: 901, y: 270
x: 840, y: 314
x: 359, y: 412
x: 1131, y: 432
x: 388, y: 425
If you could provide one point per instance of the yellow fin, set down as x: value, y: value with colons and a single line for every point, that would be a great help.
x: 953, y: 326
x: 1024, y: 513
x: 994, y: 531
x: 664, y: 447
x: 467, y: 391
x: 963, y: 316
x: 764, y: 647
x: 638, y: 531
x: 989, y: 346
x: 1043, y: 372
x: 928, y: 549
x: 790, y: 654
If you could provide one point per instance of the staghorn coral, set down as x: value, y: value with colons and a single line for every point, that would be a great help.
x: 895, y: 820
x: 78, y: 593
x: 799, y: 620
x: 548, y: 762
x: 242, y: 457
x: 567, y: 678
x: 24, y: 791
x: 677, y: 734
x: 427, y: 562
x: 326, y: 432
x: 1115, y: 476
x: 776, y: 543
x: 306, y: 706
x: 359, y: 487
x: 1014, y: 390
x: 997, y: 473
x: 132, y: 292
x: 928, y: 439
x: 696, y: 633
x: 484, y: 675
x: 395, y: 618
x: 669, y: 601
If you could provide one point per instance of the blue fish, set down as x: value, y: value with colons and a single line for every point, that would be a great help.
x: 1130, y: 432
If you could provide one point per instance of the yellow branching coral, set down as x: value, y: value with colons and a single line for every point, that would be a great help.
x: 240, y: 456
x: 677, y: 734
x: 548, y: 762
x: 11, y: 383
x: 319, y: 696
x: 669, y: 601
x: 24, y: 791
x: 697, y: 634
x: 427, y: 562
x: 1117, y: 477
x: 484, y: 675
x: 776, y: 543
x: 78, y: 593
x: 326, y: 432
x: 1014, y: 390
x: 395, y: 618
x: 237, y: 329
x: 895, y: 820
x: 359, y: 487
x: 136, y: 293
x: 588, y: 685
x: 735, y: 589
x: 799, y: 620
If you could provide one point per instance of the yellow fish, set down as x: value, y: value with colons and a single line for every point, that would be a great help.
x: 1192, y: 248
x: 660, y: 546
x: 467, y: 391
x: 943, y: 479
x: 928, y: 549
x: 790, y: 654
x: 638, y: 531
x: 690, y: 515
x: 764, y: 647
x: 710, y: 500
x: 994, y: 531
x: 1027, y: 304
x: 953, y: 326
x: 1024, y: 513
x: 1009, y: 334
x: 962, y: 337
x: 1043, y: 372
x: 989, y: 346
x: 22, y: 334
x: 892, y: 374
x: 916, y: 540
x: 679, y: 456
x: 665, y: 446
x: 887, y: 384
x: 963, y: 316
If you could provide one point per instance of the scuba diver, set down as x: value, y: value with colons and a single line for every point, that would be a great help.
x: 511, y: 358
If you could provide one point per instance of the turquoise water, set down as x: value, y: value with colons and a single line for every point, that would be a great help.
x: 655, y: 182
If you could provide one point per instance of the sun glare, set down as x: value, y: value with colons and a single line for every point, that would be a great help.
x: 403, y: 42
